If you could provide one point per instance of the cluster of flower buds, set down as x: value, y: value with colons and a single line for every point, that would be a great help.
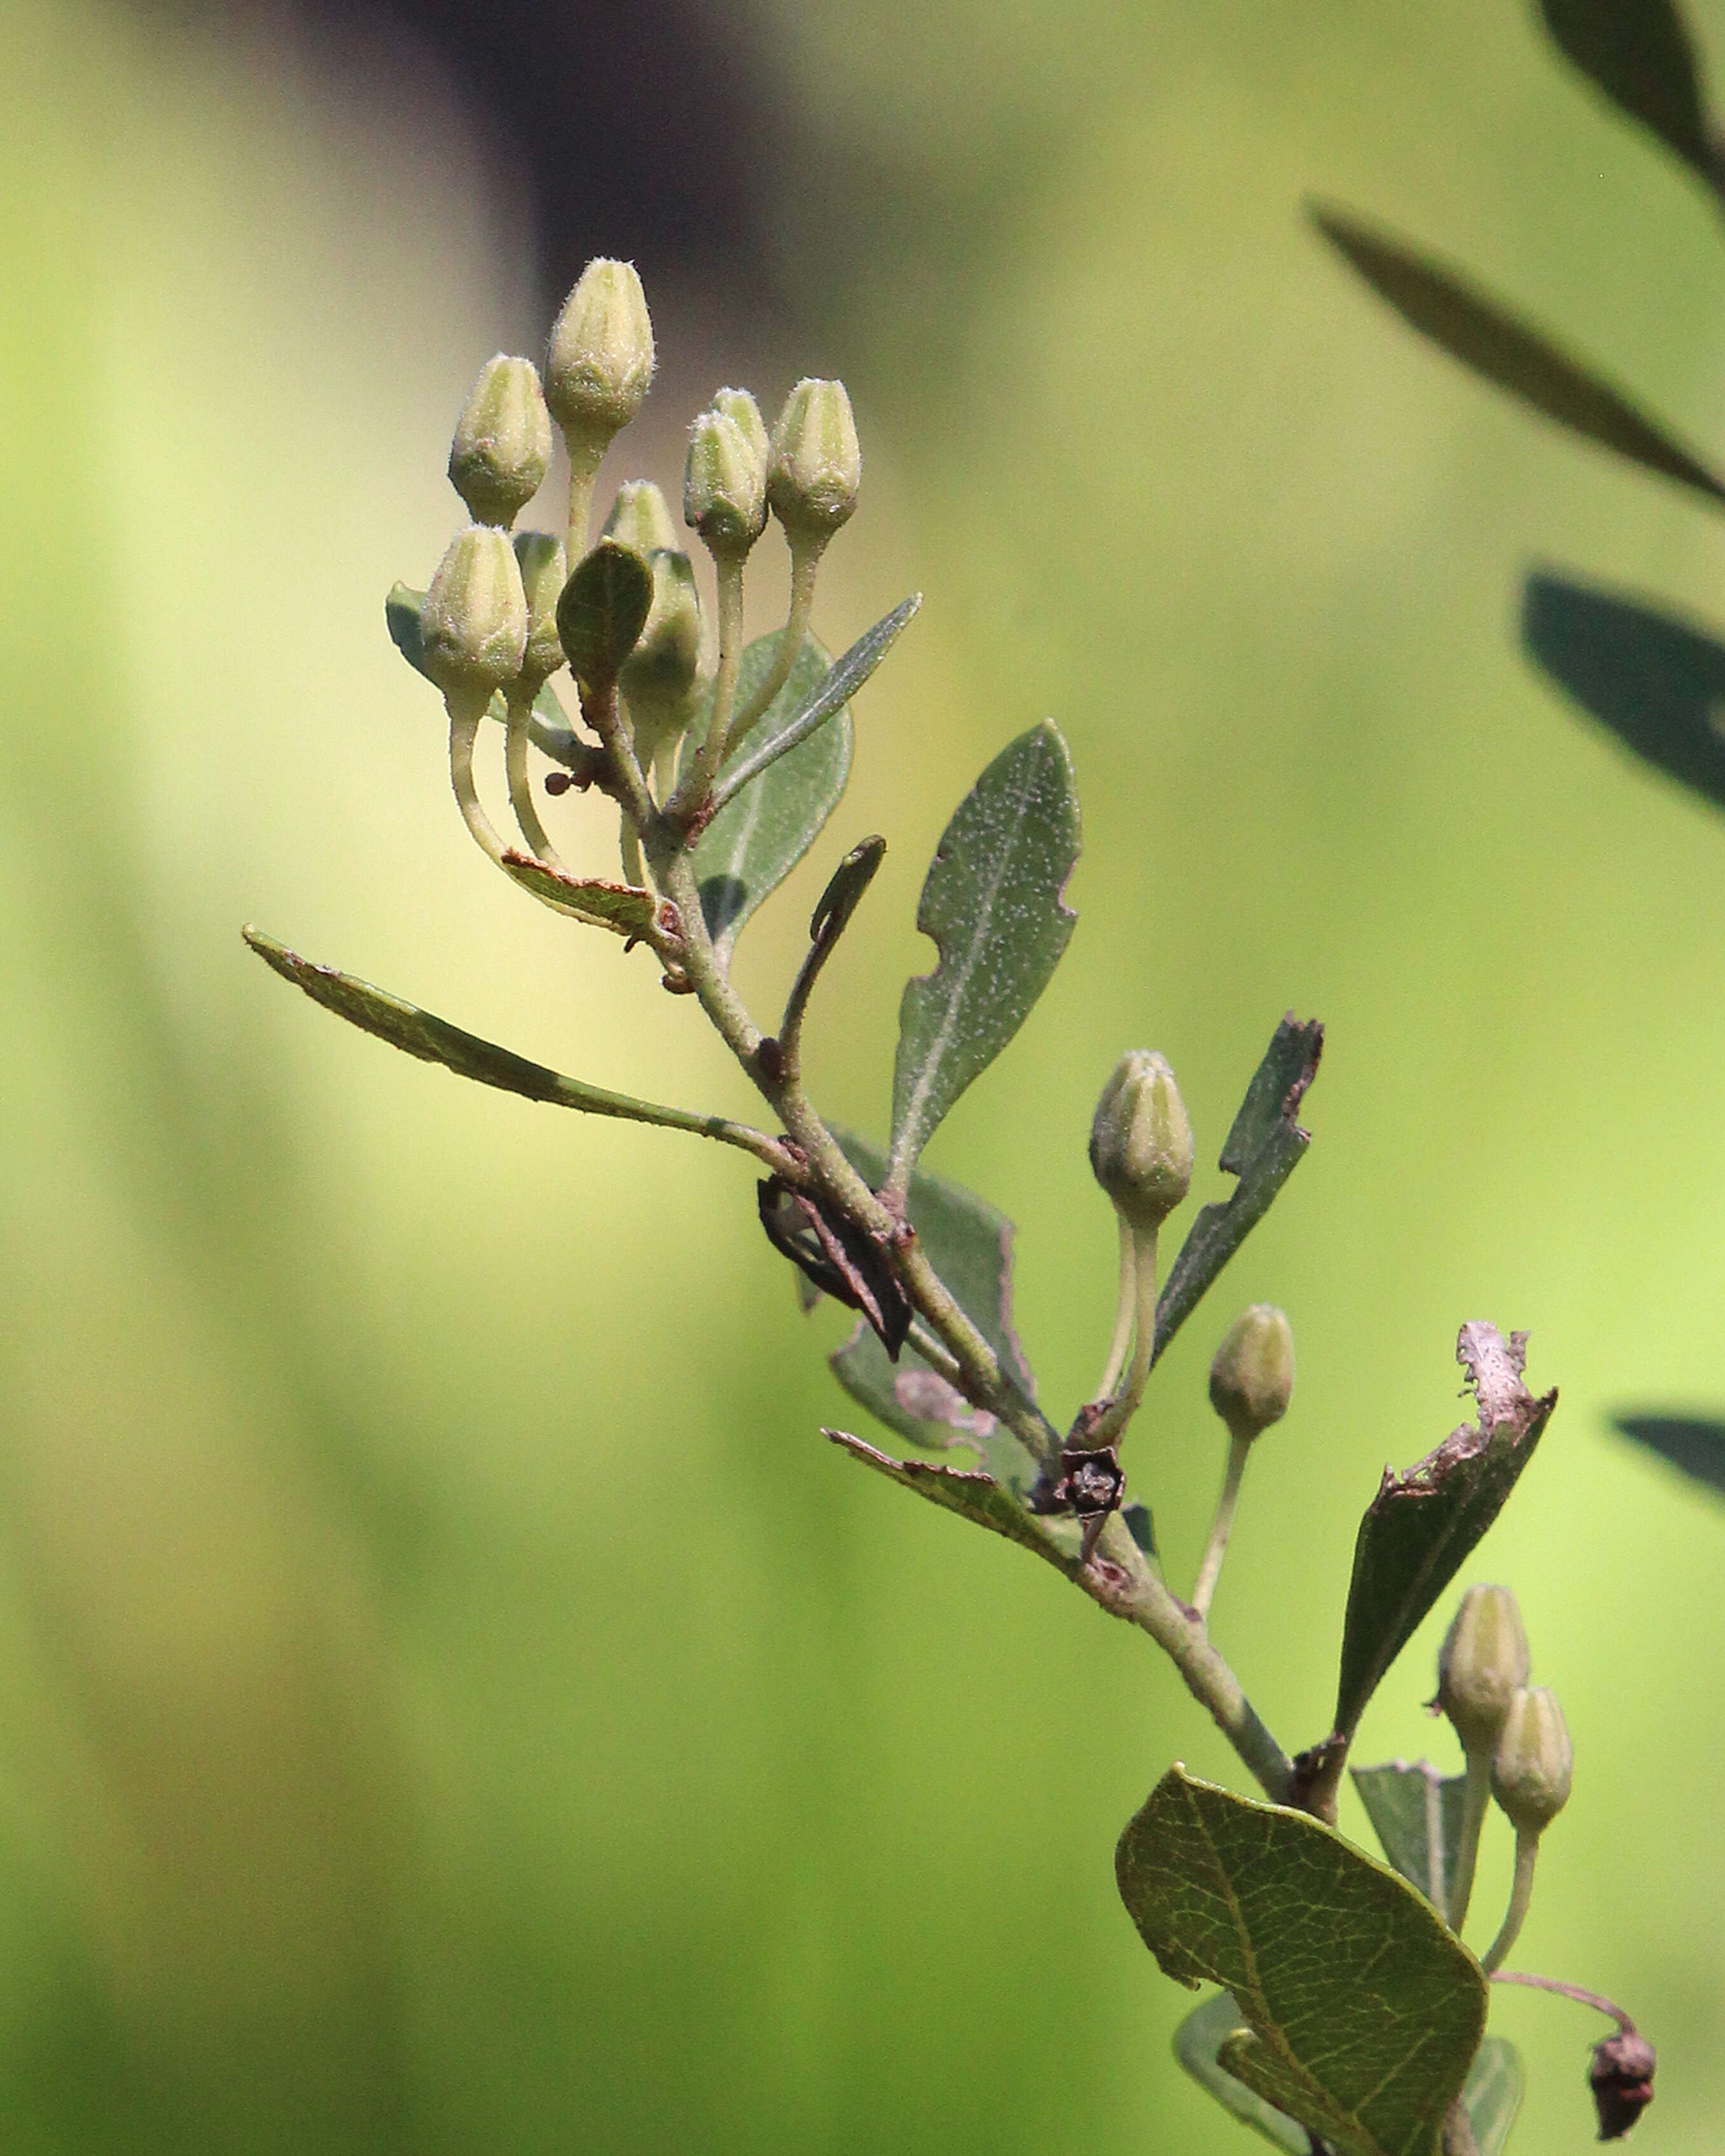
x: 489, y: 623
x: 1483, y: 1667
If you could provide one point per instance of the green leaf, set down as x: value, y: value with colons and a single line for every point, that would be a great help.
x: 1697, y: 1448
x: 1657, y: 682
x: 1484, y: 335
x: 1421, y: 1526
x: 969, y: 1245
x: 1265, y: 1146
x: 968, y: 1491
x: 1639, y: 53
x: 992, y: 904
x: 753, y: 843
x: 620, y: 906
x: 1360, y: 2010
x: 844, y: 890
x: 403, y: 1026
x: 602, y: 613
x: 1492, y: 2093
x: 1198, y: 2041
x: 830, y: 696
x: 1416, y: 1814
x: 400, y: 615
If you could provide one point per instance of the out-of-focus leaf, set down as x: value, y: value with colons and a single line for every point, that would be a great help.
x: 1361, y: 2012
x: 828, y: 696
x: 602, y: 613
x: 1639, y: 53
x: 753, y: 843
x: 1657, y: 682
x: 991, y: 904
x: 1416, y: 1813
x: 621, y: 907
x: 1421, y: 1525
x: 1140, y: 1525
x: 403, y: 1026
x: 1265, y: 1144
x: 1492, y: 2093
x: 968, y: 1491
x: 969, y: 1245
x: 401, y: 614
x: 1484, y: 335
x: 845, y: 890
x: 1695, y: 1446
x: 1197, y: 2040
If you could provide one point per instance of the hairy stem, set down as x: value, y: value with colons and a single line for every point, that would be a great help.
x: 1595, y: 1999
x: 1125, y: 1309
x: 1475, y: 1798
x: 585, y: 457
x: 1240, y: 1450
x: 805, y: 561
x: 516, y: 738
x: 465, y: 711
x: 1520, y: 1894
x: 698, y: 780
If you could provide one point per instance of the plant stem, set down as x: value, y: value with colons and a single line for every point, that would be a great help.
x: 699, y: 778
x: 584, y: 461
x: 1521, y: 1893
x: 805, y: 561
x: 1475, y: 1798
x: 520, y: 712
x: 633, y: 871
x: 1593, y: 1998
x: 1111, y: 1425
x: 465, y: 711
x: 1125, y: 1309
x: 1240, y: 1450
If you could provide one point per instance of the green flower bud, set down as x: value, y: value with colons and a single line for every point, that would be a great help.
x: 544, y: 572
x: 1532, y: 1765
x: 724, y: 485
x: 1140, y: 1140
x: 737, y: 405
x: 663, y: 664
x: 1252, y: 1378
x: 641, y: 517
x: 601, y: 361
x: 817, y: 466
x: 502, y: 442
x: 473, y: 622
x: 1483, y: 1665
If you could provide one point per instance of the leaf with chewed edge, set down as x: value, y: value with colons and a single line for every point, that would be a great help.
x: 623, y: 907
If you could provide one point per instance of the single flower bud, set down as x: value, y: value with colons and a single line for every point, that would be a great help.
x: 601, y: 358
x: 1140, y: 1140
x: 473, y: 622
x: 641, y: 517
x: 1252, y: 1378
x: 663, y: 664
x: 544, y: 572
x: 1482, y: 1666
x: 737, y: 405
x: 1531, y: 1766
x: 1621, y: 2078
x: 502, y: 442
x: 724, y: 485
x: 817, y: 466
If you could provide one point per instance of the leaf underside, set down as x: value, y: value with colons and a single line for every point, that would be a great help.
x: 603, y: 610
x: 1265, y: 1146
x: 971, y: 1492
x: 1416, y: 1814
x: 1486, y: 337
x: 992, y: 904
x: 1639, y: 53
x: 969, y: 1245
x: 1695, y: 1446
x: 1421, y: 1526
x: 1360, y: 2011
x: 623, y: 907
x: 1657, y: 682
x: 754, y: 841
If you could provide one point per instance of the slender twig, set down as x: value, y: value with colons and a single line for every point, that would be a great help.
x: 516, y: 736
x: 1520, y: 1894
x: 936, y: 1353
x: 805, y: 561
x: 1582, y: 1998
x: 1111, y: 1425
x: 1125, y: 1309
x: 1240, y: 1450
x: 465, y: 711
x: 698, y: 779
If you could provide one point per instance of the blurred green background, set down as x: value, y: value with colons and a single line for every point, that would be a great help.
x: 452, y: 1700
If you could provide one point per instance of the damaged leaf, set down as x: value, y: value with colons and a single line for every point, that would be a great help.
x: 991, y: 904
x: 838, y: 1257
x: 1360, y: 2011
x: 1421, y: 1525
x: 620, y: 906
x: 1416, y: 1814
x: 1265, y: 1146
x: 969, y: 1492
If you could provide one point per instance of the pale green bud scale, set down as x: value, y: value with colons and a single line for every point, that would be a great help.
x: 1252, y: 1377
x: 502, y: 443
x: 724, y: 485
x: 544, y: 572
x: 473, y: 622
x: 1140, y: 1148
x: 601, y: 360
x: 817, y: 465
x: 641, y: 517
x: 1483, y: 1665
x: 1532, y: 1768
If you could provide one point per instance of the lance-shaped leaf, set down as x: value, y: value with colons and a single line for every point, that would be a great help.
x: 1421, y: 1526
x: 971, y: 1492
x: 1265, y: 1144
x: 603, y: 610
x: 969, y: 1245
x: 1360, y: 2010
x: 1416, y: 1815
x: 1697, y: 1447
x: 403, y: 1026
x: 828, y: 697
x: 753, y: 843
x: 623, y: 907
x: 1640, y: 54
x: 1657, y: 682
x: 992, y: 904
x: 1484, y: 335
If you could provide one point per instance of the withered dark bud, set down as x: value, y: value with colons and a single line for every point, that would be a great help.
x: 1621, y: 2079
x: 838, y: 1257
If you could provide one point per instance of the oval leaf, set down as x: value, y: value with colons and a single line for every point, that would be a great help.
x: 1361, y: 2012
x: 602, y: 613
x: 754, y: 841
x: 992, y: 903
x: 1657, y: 682
x: 1639, y: 53
x: 1484, y: 335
